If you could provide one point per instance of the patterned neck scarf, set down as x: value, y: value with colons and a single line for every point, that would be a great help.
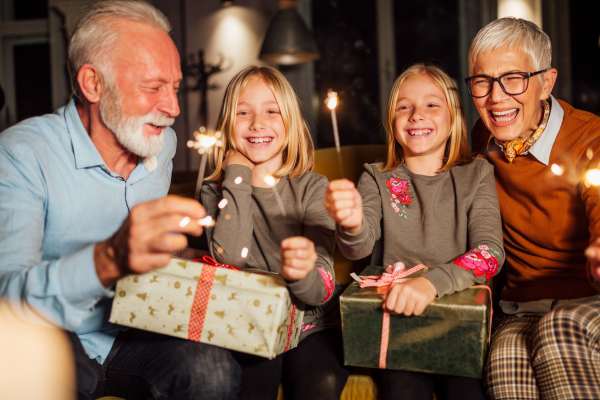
x: 520, y: 146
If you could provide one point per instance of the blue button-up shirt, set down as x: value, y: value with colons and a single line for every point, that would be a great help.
x: 57, y: 199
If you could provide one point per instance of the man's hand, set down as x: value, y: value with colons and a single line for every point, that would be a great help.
x: 298, y: 258
x: 410, y: 297
x: 344, y: 204
x: 593, y: 255
x: 146, y: 240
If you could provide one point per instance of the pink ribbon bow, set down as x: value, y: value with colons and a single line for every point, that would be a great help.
x: 396, y: 273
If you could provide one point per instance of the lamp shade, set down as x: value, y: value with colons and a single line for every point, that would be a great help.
x: 288, y: 41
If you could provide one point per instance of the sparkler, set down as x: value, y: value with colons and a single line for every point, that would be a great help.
x: 332, y: 101
x: 203, y: 142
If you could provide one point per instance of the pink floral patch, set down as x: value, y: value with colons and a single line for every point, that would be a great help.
x: 308, y: 327
x: 328, y: 282
x: 400, y: 195
x: 479, y: 260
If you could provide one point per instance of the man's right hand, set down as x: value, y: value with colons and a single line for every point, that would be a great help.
x: 147, y: 239
x: 344, y: 204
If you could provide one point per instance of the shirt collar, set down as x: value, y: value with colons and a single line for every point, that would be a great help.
x: 542, y: 148
x: 84, y: 150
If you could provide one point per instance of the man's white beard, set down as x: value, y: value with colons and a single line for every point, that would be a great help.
x: 129, y: 131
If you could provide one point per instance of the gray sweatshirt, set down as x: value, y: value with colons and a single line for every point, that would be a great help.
x: 449, y: 222
x: 252, y: 219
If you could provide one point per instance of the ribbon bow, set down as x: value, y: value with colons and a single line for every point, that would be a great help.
x: 211, y: 261
x: 395, y: 273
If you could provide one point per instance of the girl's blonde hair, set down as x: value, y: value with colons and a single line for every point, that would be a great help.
x: 457, y: 147
x: 298, y: 148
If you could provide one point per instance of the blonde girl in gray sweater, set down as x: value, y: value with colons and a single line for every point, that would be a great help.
x: 431, y: 204
x: 265, y: 136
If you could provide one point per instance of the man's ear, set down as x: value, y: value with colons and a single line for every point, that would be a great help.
x: 549, y: 79
x: 90, y: 83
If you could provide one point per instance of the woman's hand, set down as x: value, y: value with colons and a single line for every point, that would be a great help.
x: 344, y: 204
x: 410, y: 297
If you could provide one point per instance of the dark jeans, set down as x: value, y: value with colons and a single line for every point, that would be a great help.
x: 144, y: 365
x: 313, y: 370
x: 394, y: 384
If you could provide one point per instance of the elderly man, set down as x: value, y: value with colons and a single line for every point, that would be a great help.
x: 547, y: 344
x: 82, y: 204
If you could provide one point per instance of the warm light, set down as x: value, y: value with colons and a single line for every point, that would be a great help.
x: 589, y: 153
x: 527, y: 9
x: 557, y: 169
x: 270, y: 180
x: 204, y: 140
x: 207, y: 221
x: 592, y: 177
x: 222, y: 203
x: 237, y: 180
x: 244, y: 252
x: 184, y: 222
x: 332, y: 100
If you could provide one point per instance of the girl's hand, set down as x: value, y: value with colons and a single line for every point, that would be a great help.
x: 344, y: 204
x: 410, y: 297
x: 235, y: 157
x: 593, y: 255
x: 298, y: 258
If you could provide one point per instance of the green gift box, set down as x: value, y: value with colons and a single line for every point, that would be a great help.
x: 450, y: 337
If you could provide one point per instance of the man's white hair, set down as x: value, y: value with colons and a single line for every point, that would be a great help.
x: 513, y: 33
x: 95, y: 34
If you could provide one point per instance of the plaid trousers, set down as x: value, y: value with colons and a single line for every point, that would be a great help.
x: 552, y: 356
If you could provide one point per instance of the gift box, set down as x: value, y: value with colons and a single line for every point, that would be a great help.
x: 250, y: 312
x: 450, y: 337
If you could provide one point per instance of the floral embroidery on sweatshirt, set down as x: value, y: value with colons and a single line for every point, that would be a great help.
x: 400, y: 195
x: 328, y: 282
x: 480, y: 260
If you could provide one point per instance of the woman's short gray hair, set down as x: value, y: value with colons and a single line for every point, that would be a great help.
x: 513, y: 33
x: 94, y: 35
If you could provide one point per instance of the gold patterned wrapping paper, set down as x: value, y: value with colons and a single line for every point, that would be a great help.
x: 243, y: 311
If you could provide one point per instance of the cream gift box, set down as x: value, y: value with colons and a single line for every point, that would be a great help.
x: 250, y: 312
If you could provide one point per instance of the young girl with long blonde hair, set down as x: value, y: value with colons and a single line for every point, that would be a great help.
x: 265, y: 136
x: 431, y: 204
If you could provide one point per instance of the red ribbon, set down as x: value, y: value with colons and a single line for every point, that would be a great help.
x: 202, y: 295
x: 290, y: 330
x: 211, y: 261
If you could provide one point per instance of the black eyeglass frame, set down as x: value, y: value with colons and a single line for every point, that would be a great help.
x: 526, y: 76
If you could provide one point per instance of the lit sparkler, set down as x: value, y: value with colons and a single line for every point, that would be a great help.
x: 203, y: 142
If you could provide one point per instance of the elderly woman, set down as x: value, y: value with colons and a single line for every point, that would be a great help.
x: 547, y: 344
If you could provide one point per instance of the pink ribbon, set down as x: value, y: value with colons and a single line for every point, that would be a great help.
x: 383, y: 282
x: 398, y: 274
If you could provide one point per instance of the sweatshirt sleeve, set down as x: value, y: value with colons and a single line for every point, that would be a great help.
x: 485, y: 255
x: 233, y: 223
x: 360, y: 245
x: 318, y: 286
